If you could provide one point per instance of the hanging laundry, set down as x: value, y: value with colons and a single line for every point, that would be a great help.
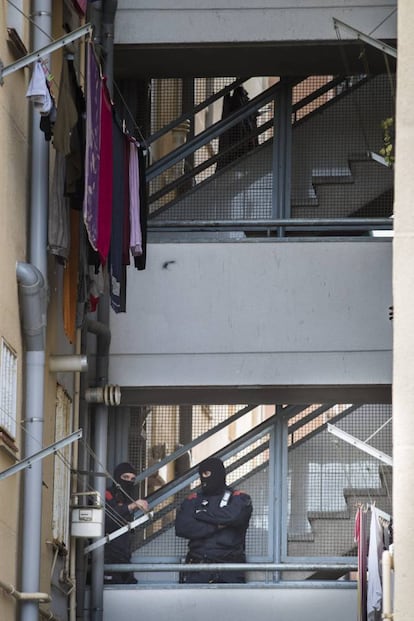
x: 126, y: 236
x: 96, y: 286
x: 105, y: 175
x: 134, y: 203
x: 38, y: 90
x: 58, y: 220
x: 80, y: 6
x: 97, y: 206
x: 66, y: 119
x: 47, y: 122
x: 67, y: 114
x: 360, y: 536
x: 75, y: 160
x: 117, y: 264
x: 140, y: 261
x: 92, y: 147
x: 376, y: 547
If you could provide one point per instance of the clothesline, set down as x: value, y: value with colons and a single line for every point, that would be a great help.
x: 45, y: 51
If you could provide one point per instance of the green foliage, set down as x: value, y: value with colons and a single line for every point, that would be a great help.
x: 387, y: 150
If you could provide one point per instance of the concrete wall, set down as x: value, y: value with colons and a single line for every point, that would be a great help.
x: 227, y: 604
x: 208, y: 21
x: 403, y: 288
x: 244, y: 314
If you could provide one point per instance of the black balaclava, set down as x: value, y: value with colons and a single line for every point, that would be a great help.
x: 216, y: 482
x: 127, y: 487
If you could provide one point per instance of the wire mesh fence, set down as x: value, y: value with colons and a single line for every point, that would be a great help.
x: 334, y: 164
x: 327, y: 478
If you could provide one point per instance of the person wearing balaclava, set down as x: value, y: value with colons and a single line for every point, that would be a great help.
x: 214, y: 521
x: 120, y: 508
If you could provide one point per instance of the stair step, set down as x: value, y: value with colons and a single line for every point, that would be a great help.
x: 328, y: 515
x: 332, y: 175
x: 364, y: 492
x: 301, y: 537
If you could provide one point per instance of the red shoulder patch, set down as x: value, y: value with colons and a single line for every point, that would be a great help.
x: 238, y: 492
x: 192, y: 496
x: 108, y: 495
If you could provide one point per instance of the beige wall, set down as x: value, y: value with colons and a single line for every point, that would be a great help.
x: 403, y: 284
x: 13, y: 202
x: 14, y: 209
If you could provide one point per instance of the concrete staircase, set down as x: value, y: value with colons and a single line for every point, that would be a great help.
x: 346, y: 192
x: 328, y: 536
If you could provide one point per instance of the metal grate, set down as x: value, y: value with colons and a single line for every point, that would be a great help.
x: 200, y: 166
x: 166, y: 428
x: 333, y: 168
x: 61, y: 484
x: 327, y: 478
x: 333, y: 173
x: 8, y: 389
x: 159, y: 540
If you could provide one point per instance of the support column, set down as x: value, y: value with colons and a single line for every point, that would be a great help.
x: 282, y: 150
x: 403, y: 285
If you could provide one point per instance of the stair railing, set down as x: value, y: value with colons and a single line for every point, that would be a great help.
x: 308, y: 431
x: 217, y: 129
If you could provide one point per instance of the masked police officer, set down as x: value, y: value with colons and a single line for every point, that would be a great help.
x: 215, y: 522
x: 120, y: 509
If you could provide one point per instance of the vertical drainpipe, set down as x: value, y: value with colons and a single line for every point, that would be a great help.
x: 32, y: 278
x: 100, y: 417
x: 33, y: 311
x: 109, y: 8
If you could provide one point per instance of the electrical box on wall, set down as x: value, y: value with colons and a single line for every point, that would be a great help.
x: 87, y: 515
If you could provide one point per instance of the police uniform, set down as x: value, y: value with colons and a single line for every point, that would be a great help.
x: 215, y: 522
x: 117, y: 514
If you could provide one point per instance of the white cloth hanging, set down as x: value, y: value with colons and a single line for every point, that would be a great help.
x: 38, y: 90
x: 134, y: 203
x: 374, y: 591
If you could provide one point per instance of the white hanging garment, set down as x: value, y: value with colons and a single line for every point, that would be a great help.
x: 38, y: 91
x: 374, y: 591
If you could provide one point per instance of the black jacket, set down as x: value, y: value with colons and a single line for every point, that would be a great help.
x: 215, y: 533
x: 117, y: 515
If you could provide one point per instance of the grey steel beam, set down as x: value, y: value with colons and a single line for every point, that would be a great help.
x: 391, y: 51
x: 44, y: 51
x: 274, y: 567
x: 338, y: 223
x: 360, y: 444
x: 52, y: 448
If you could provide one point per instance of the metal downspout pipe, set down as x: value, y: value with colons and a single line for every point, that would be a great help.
x: 100, y: 419
x: 109, y: 8
x: 32, y: 282
x: 33, y: 305
x: 39, y: 180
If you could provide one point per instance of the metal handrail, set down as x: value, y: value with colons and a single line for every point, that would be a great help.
x: 184, y: 449
x: 191, y: 114
x: 294, y: 410
x: 213, y: 131
x: 234, y: 225
x: 218, y: 128
x: 273, y: 567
